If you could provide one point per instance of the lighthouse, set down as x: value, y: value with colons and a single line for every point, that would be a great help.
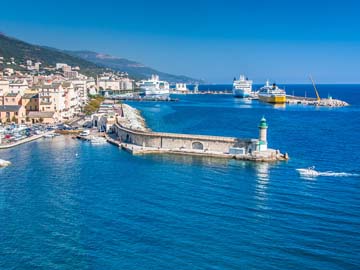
x: 262, y: 135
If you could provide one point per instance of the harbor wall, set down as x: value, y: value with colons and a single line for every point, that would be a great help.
x: 174, y: 141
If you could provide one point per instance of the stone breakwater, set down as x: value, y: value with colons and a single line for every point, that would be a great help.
x: 131, y: 133
x: 132, y: 119
x: 324, y: 102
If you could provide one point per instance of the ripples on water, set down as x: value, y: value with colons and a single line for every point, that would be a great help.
x: 65, y: 204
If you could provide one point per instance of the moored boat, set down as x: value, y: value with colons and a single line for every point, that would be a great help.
x: 155, y: 88
x: 272, y: 94
x: 98, y: 140
x: 242, y: 88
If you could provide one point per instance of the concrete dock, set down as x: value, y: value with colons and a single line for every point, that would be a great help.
x: 324, y: 102
x: 26, y: 140
x: 144, y: 141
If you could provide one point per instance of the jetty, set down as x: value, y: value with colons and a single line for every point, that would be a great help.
x: 322, y: 102
x: 130, y: 133
x: 26, y: 140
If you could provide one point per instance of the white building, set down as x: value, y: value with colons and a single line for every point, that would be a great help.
x: 18, y: 86
x: 71, y: 74
x: 80, y: 87
x: 115, y: 84
x: 52, y: 99
x: 60, y: 65
x: 4, y: 87
x: 37, y: 65
x: 181, y: 87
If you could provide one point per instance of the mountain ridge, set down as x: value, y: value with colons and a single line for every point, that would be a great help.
x: 91, y: 63
x: 133, y: 68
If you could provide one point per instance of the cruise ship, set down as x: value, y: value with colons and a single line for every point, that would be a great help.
x: 272, y: 94
x: 242, y: 88
x: 153, y: 87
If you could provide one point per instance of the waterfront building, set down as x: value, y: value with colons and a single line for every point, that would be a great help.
x: 80, y: 87
x: 11, y: 109
x: 30, y: 100
x: 71, y: 105
x: 12, y: 113
x: 52, y: 100
x: 43, y: 117
x: 115, y: 85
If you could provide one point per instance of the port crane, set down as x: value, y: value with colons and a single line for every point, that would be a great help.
x: 316, y: 91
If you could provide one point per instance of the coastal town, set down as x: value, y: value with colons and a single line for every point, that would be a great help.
x: 45, y: 101
x: 35, y: 105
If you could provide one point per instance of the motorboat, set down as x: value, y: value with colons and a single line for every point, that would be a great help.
x: 85, y: 133
x: 310, y: 172
x: 50, y: 135
x: 4, y: 163
x: 98, y: 140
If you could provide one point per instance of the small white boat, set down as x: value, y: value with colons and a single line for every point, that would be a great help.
x: 51, y: 135
x: 4, y: 163
x: 98, y: 140
x: 85, y: 133
x: 310, y: 172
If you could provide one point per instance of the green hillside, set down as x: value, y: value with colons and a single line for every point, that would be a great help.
x: 22, y: 51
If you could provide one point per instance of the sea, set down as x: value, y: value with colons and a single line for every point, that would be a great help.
x: 67, y: 204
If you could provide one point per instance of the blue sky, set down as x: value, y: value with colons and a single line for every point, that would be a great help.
x: 280, y: 40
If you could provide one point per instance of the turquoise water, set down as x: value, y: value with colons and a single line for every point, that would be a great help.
x: 65, y: 204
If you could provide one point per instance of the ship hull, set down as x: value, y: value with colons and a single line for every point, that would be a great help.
x: 273, y: 99
x: 240, y: 93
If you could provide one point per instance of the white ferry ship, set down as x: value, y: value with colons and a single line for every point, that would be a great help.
x: 272, y: 93
x: 155, y: 88
x: 242, y: 88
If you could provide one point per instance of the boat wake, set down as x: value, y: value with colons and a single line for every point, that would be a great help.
x: 338, y: 174
x: 311, y: 172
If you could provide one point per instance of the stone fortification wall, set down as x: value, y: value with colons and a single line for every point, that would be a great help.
x: 174, y: 141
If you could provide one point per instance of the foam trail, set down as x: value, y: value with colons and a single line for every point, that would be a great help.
x: 338, y: 174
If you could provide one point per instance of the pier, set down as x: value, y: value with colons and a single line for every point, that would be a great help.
x: 323, y: 102
x: 26, y: 140
x: 148, y: 142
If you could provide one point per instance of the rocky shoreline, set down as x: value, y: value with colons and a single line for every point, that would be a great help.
x: 133, y: 119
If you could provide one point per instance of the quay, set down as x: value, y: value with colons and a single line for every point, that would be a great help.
x: 26, y: 140
x: 138, y: 98
x: 129, y: 132
x: 323, y: 102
